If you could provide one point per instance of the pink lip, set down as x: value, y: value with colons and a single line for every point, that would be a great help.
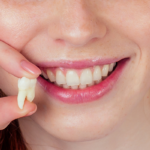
x: 77, y: 64
x: 89, y: 94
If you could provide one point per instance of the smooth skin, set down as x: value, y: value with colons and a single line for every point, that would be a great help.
x: 8, y: 105
x: 48, y: 30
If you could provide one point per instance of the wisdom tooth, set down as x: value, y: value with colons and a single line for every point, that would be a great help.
x: 26, y: 89
x: 31, y: 90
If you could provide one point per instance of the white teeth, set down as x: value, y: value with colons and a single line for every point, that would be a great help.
x: 97, y: 75
x: 51, y: 76
x: 26, y: 89
x: 60, y: 77
x: 111, y: 67
x: 72, y: 78
x: 86, y: 77
x: 45, y: 75
x: 91, y: 84
x: 105, y: 70
x: 65, y: 86
x: 74, y: 87
x: 31, y: 90
x: 79, y: 79
x: 82, y: 86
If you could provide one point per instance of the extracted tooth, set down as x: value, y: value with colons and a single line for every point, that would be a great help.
x: 105, y: 70
x: 23, y: 85
x: 72, y: 78
x: 21, y: 98
x: 97, y: 74
x: 31, y: 90
x: 44, y: 74
x: 86, y: 77
x: 60, y: 77
x: 51, y: 76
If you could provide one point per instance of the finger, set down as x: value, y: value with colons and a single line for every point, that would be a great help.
x: 16, y: 64
x: 10, y: 111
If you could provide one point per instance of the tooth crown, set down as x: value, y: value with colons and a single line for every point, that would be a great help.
x: 23, y: 83
x: 78, y: 78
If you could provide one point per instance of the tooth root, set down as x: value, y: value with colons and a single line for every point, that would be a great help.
x: 31, y: 94
x: 26, y: 88
x: 86, y: 77
x: 105, y: 70
x: 31, y: 90
x: 21, y: 98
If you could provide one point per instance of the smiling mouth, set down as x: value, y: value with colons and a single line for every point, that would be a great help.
x: 80, y: 85
x: 78, y: 78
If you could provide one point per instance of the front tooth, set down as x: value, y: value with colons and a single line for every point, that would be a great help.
x: 31, y: 90
x: 51, y: 76
x: 97, y: 75
x: 23, y: 85
x: 21, y: 98
x: 105, y: 70
x: 72, y: 78
x: 60, y: 78
x: 86, y: 77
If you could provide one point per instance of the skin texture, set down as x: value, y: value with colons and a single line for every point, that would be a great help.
x: 49, y: 30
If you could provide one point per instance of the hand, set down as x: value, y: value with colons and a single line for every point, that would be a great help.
x: 9, y: 109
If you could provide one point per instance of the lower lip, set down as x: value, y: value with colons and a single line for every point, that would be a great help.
x: 89, y: 94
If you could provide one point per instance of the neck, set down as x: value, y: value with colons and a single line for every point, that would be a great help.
x: 133, y: 133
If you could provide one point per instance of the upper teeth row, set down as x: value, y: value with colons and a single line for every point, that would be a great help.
x: 74, y: 79
x: 26, y: 89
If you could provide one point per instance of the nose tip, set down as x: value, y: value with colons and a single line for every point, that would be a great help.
x: 81, y: 36
x: 78, y: 25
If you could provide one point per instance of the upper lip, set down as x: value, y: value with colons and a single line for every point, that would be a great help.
x: 79, y: 64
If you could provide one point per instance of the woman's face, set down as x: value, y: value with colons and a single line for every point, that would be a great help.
x: 73, y: 34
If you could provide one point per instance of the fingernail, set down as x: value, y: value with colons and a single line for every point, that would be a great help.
x: 29, y: 67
